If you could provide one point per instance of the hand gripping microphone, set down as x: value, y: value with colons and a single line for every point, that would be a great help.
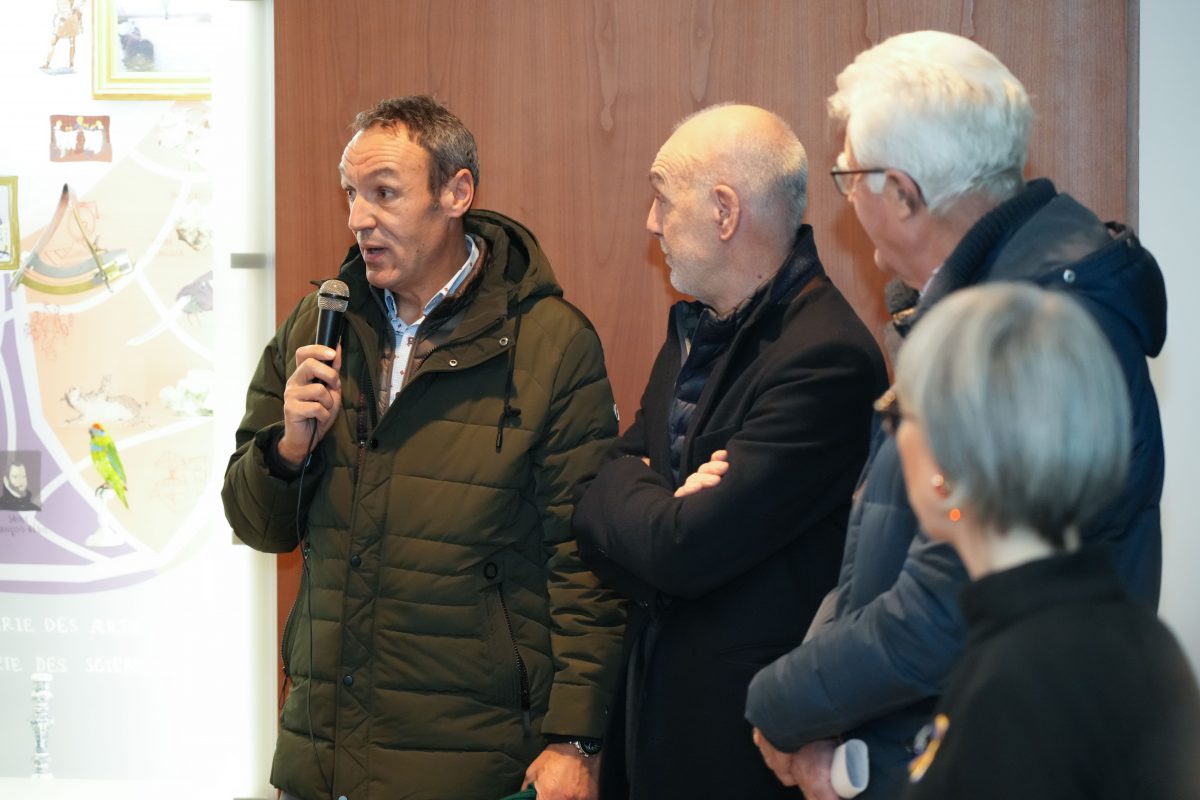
x: 333, y: 299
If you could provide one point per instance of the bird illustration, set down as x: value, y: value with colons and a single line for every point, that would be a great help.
x: 107, y: 462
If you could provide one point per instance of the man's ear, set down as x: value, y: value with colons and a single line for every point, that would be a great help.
x: 905, y: 192
x: 727, y: 210
x: 458, y: 193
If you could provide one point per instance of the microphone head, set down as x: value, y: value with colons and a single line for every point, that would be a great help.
x: 334, y: 295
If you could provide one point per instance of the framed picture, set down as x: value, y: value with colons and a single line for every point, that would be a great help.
x: 152, y: 49
x: 10, y: 235
x: 80, y: 138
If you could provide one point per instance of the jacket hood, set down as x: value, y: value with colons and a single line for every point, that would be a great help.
x: 515, y: 251
x: 512, y: 251
x: 1067, y: 246
x: 1054, y: 241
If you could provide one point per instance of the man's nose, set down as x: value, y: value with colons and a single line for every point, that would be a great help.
x: 361, y: 216
x: 652, y: 220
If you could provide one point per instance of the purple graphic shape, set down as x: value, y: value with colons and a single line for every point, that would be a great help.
x: 64, y: 511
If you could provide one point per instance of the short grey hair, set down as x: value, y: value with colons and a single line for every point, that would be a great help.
x: 940, y: 108
x: 1024, y: 406
x: 773, y: 172
x: 430, y: 125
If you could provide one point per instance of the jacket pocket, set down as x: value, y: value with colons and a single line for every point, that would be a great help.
x: 754, y: 656
x: 289, y: 626
x: 512, y: 673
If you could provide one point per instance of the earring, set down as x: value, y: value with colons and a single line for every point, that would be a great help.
x: 942, y: 488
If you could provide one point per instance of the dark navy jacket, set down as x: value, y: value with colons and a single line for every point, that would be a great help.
x: 875, y: 669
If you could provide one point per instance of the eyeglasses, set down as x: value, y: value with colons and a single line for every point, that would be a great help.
x: 888, y: 409
x: 841, y: 174
x: 843, y: 177
x: 842, y: 180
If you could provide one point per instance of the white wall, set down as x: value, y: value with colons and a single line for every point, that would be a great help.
x: 202, y: 718
x: 244, y: 222
x: 1169, y: 213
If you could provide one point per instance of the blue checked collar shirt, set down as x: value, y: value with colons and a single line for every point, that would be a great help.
x: 406, y: 332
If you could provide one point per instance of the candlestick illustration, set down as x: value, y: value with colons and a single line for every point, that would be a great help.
x: 41, y: 722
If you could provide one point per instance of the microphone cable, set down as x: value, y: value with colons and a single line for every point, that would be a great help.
x: 333, y: 298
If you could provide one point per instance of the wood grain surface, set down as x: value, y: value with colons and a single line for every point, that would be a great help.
x: 570, y: 100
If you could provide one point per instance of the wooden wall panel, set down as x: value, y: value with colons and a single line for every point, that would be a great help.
x: 570, y: 100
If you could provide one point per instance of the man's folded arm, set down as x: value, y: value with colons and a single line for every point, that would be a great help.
x: 791, y: 463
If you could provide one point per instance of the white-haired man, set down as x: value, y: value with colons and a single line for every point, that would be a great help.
x: 936, y: 132
x: 722, y: 512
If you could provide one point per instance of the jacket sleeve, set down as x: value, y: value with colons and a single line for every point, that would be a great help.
x: 631, y: 445
x: 893, y: 652
x: 792, y: 461
x: 260, y: 507
x: 587, y: 618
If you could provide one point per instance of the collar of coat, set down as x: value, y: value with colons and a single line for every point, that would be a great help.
x: 511, y: 270
x: 696, y: 320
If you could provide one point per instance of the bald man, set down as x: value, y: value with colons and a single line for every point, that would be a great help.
x: 722, y: 510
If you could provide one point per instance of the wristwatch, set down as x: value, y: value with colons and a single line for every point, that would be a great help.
x: 587, y: 747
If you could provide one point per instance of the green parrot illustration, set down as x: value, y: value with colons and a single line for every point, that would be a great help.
x: 107, y: 462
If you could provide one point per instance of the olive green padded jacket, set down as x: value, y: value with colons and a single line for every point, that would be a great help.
x: 452, y: 623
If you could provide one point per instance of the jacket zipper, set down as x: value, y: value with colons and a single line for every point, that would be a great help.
x: 283, y: 644
x: 363, y: 410
x: 366, y: 396
x: 526, y: 724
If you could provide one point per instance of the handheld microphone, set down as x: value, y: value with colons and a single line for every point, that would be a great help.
x: 333, y: 298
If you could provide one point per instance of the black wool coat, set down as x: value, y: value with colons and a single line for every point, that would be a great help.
x: 1067, y: 690
x: 725, y: 581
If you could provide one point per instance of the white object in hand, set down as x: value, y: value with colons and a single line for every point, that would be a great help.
x: 851, y: 768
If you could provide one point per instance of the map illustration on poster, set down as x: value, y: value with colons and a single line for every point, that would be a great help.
x: 107, y: 470
x: 106, y: 345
